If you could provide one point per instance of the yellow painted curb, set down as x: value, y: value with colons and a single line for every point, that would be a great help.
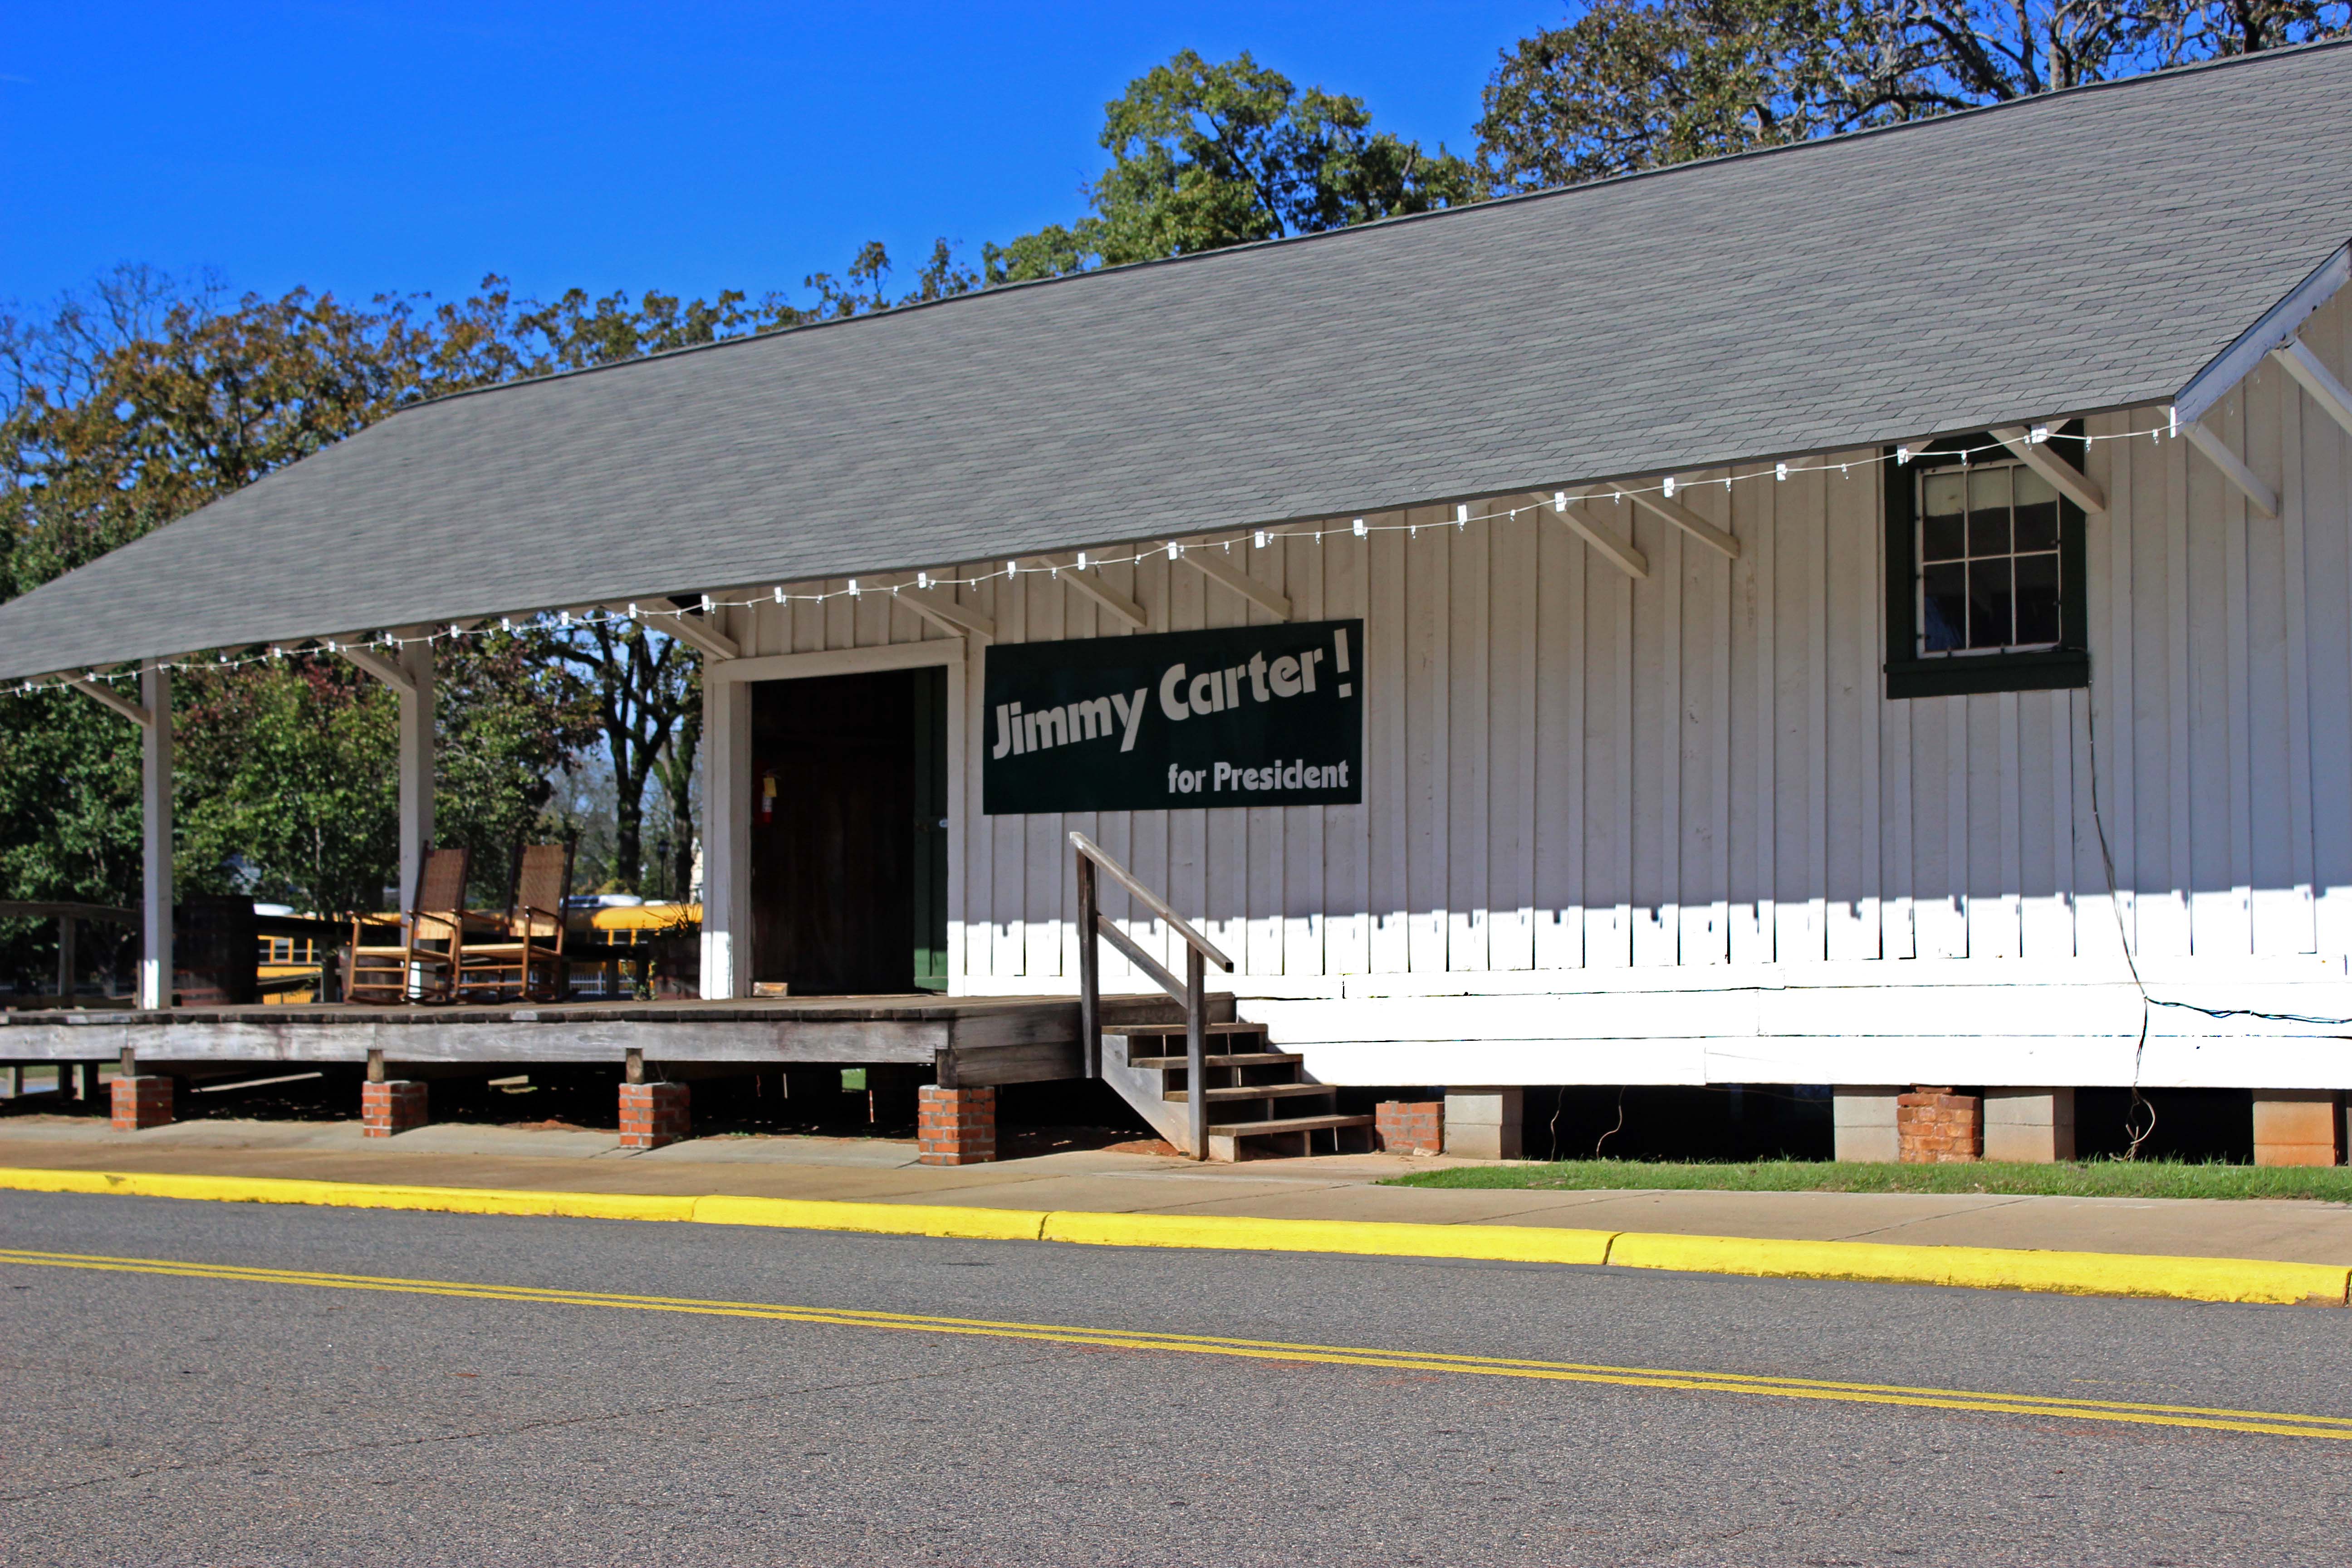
x: 354, y: 1195
x: 1993, y: 1269
x: 1981, y: 1268
x: 1496, y: 1243
x: 882, y: 1219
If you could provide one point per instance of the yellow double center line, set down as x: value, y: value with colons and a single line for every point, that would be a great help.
x: 2276, y: 1423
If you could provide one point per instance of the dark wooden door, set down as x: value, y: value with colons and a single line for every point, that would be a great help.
x: 834, y: 860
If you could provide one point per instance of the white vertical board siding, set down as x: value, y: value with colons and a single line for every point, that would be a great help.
x: 1693, y: 785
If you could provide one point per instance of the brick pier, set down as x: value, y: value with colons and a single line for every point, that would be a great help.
x: 955, y: 1126
x: 1937, y: 1127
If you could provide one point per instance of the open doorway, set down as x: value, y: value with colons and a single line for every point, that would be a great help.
x: 849, y: 845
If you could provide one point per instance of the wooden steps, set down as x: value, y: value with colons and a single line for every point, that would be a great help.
x: 1252, y: 1091
x: 1246, y: 1086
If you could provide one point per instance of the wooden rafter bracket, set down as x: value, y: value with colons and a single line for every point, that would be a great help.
x: 1619, y: 552
x: 1090, y: 582
x: 942, y: 611
x: 106, y: 696
x: 1217, y: 569
x: 695, y: 631
x: 2063, y: 477
x: 2316, y: 381
x: 1689, y: 521
x: 2259, y: 496
x: 374, y: 663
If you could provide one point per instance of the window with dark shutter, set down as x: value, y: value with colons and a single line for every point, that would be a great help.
x: 1984, y: 557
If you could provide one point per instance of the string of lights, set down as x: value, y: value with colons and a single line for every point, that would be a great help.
x: 1667, y: 488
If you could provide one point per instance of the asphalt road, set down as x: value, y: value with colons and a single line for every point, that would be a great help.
x: 227, y: 1414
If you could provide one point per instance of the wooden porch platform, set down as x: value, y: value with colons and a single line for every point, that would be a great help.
x: 970, y: 1041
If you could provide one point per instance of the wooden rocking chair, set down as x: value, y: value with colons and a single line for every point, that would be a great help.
x: 531, y: 942
x: 410, y: 971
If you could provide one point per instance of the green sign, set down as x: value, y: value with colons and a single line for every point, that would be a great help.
x: 1237, y: 716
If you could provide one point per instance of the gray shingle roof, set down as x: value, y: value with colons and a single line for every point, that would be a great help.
x: 2061, y: 255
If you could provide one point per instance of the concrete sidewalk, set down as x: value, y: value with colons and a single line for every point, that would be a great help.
x: 1337, y: 1187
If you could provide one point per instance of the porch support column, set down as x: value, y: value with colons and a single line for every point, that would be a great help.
x: 416, y: 765
x: 726, y: 836
x: 156, y: 835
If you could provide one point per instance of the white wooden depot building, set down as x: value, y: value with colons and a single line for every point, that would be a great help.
x: 1826, y: 615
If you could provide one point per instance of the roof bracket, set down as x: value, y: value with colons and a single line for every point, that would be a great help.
x: 2316, y: 380
x: 2259, y: 496
x: 1619, y: 552
x: 375, y: 664
x: 1689, y: 521
x: 1217, y: 569
x: 695, y: 631
x: 1089, y: 582
x: 106, y: 696
x: 2063, y: 477
x: 956, y: 620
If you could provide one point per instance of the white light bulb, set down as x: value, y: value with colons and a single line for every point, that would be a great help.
x: 1259, y: 540
x: 1361, y: 529
x: 1781, y: 471
x: 1670, y: 487
x: 1082, y: 560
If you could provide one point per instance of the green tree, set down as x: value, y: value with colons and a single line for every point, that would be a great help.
x: 648, y: 703
x: 1207, y: 155
x: 510, y: 712
x: 1628, y: 85
x: 287, y: 790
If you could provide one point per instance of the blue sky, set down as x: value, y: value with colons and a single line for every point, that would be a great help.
x: 370, y: 147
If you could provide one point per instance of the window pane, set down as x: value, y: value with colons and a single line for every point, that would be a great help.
x: 1989, y: 512
x: 1943, y: 608
x: 1989, y: 602
x: 1943, y: 538
x: 1943, y: 516
x: 2037, y: 599
x: 2037, y: 512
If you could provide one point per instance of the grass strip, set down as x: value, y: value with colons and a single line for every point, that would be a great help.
x: 2072, y: 1179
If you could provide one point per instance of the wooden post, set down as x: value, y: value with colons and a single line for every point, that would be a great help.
x: 726, y: 837
x: 1089, y: 972
x: 65, y: 928
x: 416, y: 762
x: 156, y: 975
x: 1196, y: 1052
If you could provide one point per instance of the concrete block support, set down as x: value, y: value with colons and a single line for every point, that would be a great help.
x: 1410, y: 1126
x: 655, y: 1114
x: 390, y: 1106
x: 2035, y: 1125
x: 1484, y: 1123
x: 955, y: 1126
x: 141, y: 1102
x: 1861, y: 1120
x: 1937, y: 1127
x: 2298, y: 1126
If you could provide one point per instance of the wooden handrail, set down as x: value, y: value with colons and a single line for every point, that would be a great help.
x: 1152, y: 901
x: 1192, y: 990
